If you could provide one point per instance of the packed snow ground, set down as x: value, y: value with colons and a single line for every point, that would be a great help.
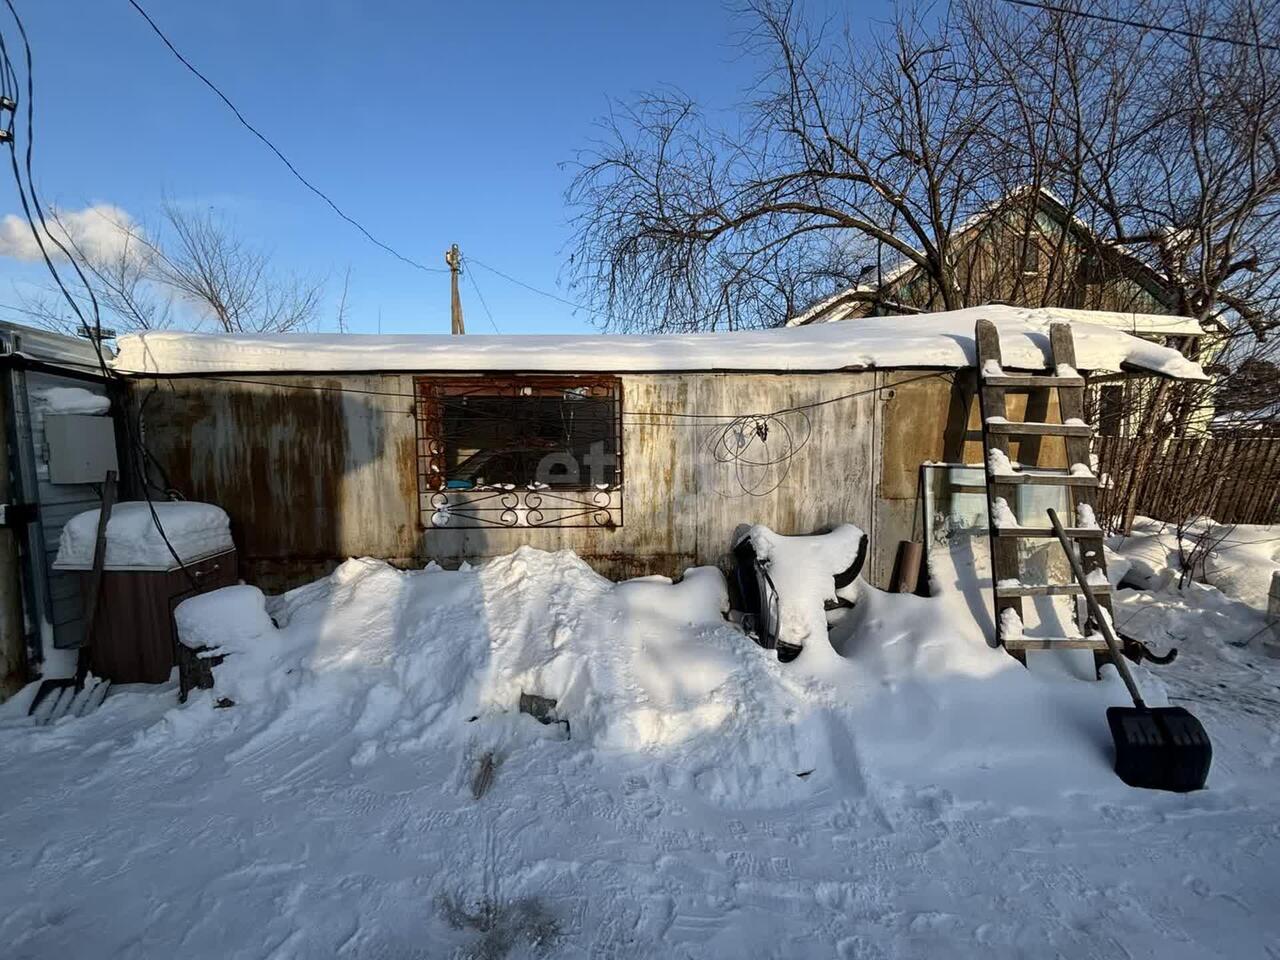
x: 904, y: 791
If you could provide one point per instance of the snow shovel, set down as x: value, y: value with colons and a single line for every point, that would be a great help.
x: 1158, y: 748
x: 72, y: 696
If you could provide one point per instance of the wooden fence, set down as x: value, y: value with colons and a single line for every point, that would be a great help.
x: 1231, y: 480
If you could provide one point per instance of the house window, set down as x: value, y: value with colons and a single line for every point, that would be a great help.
x: 1031, y: 255
x: 519, y: 451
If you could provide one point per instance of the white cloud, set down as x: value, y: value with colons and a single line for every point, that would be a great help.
x: 101, y: 231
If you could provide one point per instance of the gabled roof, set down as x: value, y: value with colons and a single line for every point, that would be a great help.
x: 844, y: 304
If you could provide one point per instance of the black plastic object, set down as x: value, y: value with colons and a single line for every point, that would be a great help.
x: 844, y: 579
x: 747, y: 579
x: 1160, y: 748
x: 759, y: 597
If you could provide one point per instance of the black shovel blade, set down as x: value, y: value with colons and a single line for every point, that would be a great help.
x: 1160, y: 748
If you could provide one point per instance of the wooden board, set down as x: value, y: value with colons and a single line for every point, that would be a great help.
x: 1048, y: 479
x: 1040, y: 590
x: 1011, y: 428
x: 1029, y: 532
x: 1004, y: 551
x: 1016, y: 381
x: 1071, y: 404
x: 1055, y: 643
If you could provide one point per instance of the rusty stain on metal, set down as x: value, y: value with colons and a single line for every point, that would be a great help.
x: 272, y: 458
x: 313, y: 476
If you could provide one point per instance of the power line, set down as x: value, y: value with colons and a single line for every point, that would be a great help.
x: 1124, y: 22
x: 480, y: 296
x: 542, y: 293
x: 29, y: 187
x: 95, y: 333
x: 276, y: 150
x: 650, y: 417
x: 328, y: 200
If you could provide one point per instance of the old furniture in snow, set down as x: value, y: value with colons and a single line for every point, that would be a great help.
x: 142, y: 581
x: 135, y: 641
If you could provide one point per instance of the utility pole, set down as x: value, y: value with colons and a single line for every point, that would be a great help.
x: 453, y: 257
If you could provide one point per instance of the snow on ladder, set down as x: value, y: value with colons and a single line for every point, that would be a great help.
x: 1005, y: 478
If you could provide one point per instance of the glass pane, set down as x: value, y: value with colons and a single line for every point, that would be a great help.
x: 566, y: 440
x: 955, y: 502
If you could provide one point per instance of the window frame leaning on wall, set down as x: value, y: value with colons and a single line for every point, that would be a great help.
x: 511, y: 505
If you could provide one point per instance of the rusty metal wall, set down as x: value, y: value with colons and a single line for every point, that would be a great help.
x: 324, y: 468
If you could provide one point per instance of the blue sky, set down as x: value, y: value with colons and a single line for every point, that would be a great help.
x: 430, y: 123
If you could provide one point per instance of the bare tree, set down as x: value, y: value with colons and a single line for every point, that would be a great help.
x: 1168, y: 148
x: 119, y: 275
x: 858, y: 154
x: 212, y: 268
x: 194, y: 258
x: 848, y: 149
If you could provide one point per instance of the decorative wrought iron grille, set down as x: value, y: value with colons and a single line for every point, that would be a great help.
x: 519, y: 451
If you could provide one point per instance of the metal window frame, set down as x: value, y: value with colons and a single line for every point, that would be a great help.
x: 510, y: 505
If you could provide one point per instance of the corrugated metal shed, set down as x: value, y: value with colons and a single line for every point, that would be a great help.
x: 316, y: 469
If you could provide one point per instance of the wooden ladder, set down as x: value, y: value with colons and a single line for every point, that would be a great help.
x: 1004, y: 479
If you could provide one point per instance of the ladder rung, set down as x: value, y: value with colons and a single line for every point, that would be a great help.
x: 1031, y: 428
x: 1046, y: 478
x: 1044, y: 590
x: 1055, y: 643
x: 1032, y: 380
x: 1074, y: 533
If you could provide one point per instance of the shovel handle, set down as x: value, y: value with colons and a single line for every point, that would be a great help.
x: 1095, y: 610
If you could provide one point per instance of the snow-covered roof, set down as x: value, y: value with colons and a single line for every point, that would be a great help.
x: 49, y: 347
x: 930, y: 340
x: 833, y: 309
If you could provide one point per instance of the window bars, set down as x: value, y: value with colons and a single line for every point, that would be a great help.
x: 519, y: 451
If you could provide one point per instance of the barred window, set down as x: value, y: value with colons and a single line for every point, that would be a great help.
x: 519, y: 450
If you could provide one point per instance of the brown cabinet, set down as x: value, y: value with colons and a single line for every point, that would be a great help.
x: 135, y: 635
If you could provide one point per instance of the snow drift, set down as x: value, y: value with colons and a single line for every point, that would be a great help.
x: 882, y: 793
x: 1240, y: 559
x: 649, y: 672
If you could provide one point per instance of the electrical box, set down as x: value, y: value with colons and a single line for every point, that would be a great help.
x: 81, y: 448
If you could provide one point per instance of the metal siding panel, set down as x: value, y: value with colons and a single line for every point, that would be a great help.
x: 311, y: 476
x: 80, y: 448
x: 58, y: 503
x: 829, y: 479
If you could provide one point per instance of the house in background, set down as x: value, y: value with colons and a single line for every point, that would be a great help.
x: 1019, y: 253
x: 1037, y: 255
